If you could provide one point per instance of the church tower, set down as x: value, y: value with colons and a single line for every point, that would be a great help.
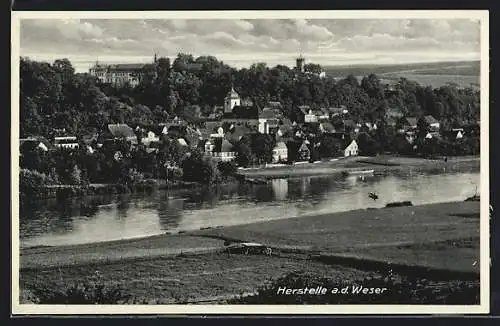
x: 231, y: 100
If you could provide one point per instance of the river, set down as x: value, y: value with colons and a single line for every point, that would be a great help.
x: 103, y: 218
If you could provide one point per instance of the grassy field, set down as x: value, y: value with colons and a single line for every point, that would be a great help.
x: 440, y: 236
x: 466, y: 68
x: 436, y: 74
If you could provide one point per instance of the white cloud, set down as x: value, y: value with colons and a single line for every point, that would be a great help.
x: 256, y: 39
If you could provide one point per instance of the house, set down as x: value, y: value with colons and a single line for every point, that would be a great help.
x: 220, y: 149
x: 209, y: 147
x: 352, y: 149
x: 209, y: 128
x: 368, y: 126
x: 459, y: 133
x: 310, y: 116
x: 433, y: 123
x: 274, y: 104
x: 453, y: 134
x: 321, y: 114
x: 182, y: 142
x: 242, y: 115
x: 150, y: 137
x: 267, y: 121
x: 122, y: 131
x: 68, y: 142
x: 337, y: 111
x: 326, y: 127
x: 280, y: 152
x: 410, y: 123
x: 299, y: 113
x: 34, y: 143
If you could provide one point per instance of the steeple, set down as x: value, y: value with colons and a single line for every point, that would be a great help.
x: 155, y: 58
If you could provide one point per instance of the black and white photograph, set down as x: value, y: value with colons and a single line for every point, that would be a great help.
x: 250, y: 162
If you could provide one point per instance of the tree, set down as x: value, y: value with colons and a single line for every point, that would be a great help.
x: 76, y: 175
x: 313, y: 68
x: 423, y: 128
x: 244, y: 155
x: 262, y: 146
x: 367, y: 145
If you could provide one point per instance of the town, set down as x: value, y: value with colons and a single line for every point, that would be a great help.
x: 251, y: 160
x: 199, y: 120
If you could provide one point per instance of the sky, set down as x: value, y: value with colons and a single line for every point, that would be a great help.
x: 241, y: 42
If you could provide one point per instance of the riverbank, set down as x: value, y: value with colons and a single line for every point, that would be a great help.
x: 379, y: 164
x: 190, y: 267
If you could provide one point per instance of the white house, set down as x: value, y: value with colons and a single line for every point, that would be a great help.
x: 352, y: 149
x: 209, y: 147
x: 224, y: 152
x: 66, y: 142
x: 280, y: 152
x: 151, y: 137
x: 310, y: 117
x: 267, y: 119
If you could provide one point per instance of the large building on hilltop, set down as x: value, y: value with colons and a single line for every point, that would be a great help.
x: 120, y: 74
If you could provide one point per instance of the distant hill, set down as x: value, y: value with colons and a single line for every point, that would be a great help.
x: 436, y: 74
x: 465, y: 68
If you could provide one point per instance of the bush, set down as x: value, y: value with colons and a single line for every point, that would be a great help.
x: 201, y: 169
x: 227, y: 169
x: 31, y: 182
x: 94, y: 291
x: 174, y: 174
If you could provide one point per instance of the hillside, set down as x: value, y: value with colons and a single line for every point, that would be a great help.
x: 436, y: 74
x: 466, y: 68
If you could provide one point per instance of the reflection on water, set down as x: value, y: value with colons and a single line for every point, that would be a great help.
x: 101, y: 218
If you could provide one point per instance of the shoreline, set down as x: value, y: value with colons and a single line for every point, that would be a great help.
x: 382, y: 164
x: 379, y: 164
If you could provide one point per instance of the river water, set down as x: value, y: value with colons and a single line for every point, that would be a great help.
x: 103, y: 218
